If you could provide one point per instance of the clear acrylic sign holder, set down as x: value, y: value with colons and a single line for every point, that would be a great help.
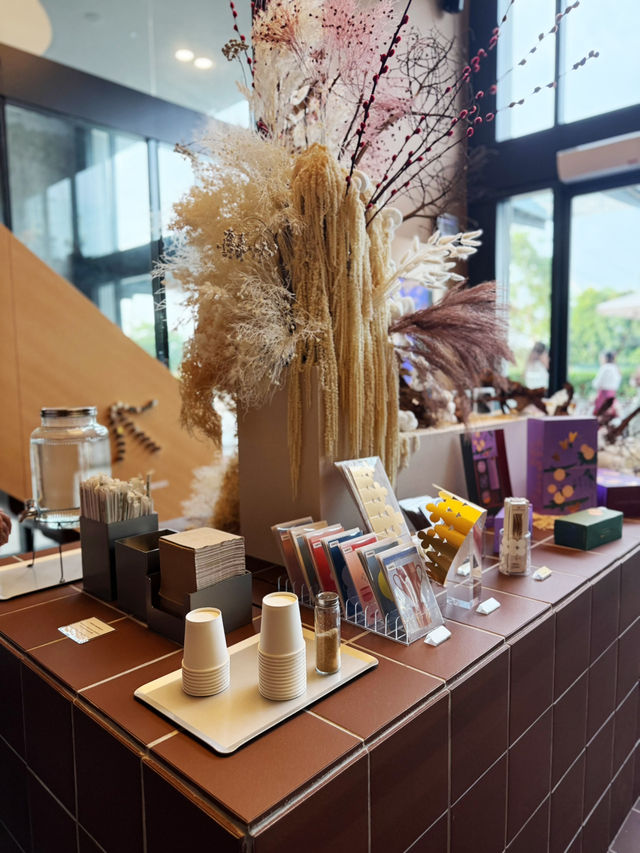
x: 389, y: 625
x: 453, y: 548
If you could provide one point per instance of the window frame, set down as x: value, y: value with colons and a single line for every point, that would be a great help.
x: 40, y: 85
x: 503, y: 176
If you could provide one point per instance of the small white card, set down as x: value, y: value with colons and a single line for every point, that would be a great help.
x: 437, y: 636
x: 542, y: 573
x: 86, y: 629
x: 488, y: 606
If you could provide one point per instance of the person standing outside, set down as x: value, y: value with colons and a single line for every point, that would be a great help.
x: 536, y: 370
x: 606, y: 383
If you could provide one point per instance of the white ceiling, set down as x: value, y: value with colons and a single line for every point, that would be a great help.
x: 133, y: 42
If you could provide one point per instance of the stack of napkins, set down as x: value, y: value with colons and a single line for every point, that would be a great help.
x: 196, y: 559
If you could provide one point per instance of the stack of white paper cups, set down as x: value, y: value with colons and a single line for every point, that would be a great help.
x: 205, y: 664
x: 282, y: 660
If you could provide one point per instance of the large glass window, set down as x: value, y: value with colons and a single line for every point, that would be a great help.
x: 519, y: 33
x: 613, y: 80
x: 523, y: 270
x: 607, y: 83
x: 175, y: 178
x: 605, y: 292
x: 80, y: 201
x: 41, y: 157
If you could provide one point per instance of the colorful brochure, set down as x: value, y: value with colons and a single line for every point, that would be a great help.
x: 301, y: 549
x: 336, y: 560
x: 369, y: 557
x: 360, y: 591
x: 408, y: 581
x: 319, y: 558
x: 282, y: 533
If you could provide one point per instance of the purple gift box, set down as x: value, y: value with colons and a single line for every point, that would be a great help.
x: 619, y: 490
x: 498, y: 521
x: 562, y: 464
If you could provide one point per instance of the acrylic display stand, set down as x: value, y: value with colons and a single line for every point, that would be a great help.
x: 453, y: 547
x: 464, y: 579
x: 388, y: 625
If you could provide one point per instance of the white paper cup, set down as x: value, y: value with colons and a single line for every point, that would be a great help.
x: 283, y: 694
x: 281, y: 626
x: 282, y: 678
x: 217, y: 681
x: 205, y: 647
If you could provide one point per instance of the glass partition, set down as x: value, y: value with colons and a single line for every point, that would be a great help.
x: 604, y: 281
x: 524, y: 240
x: 80, y: 201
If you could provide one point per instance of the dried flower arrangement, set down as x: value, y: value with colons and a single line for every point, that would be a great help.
x: 286, y: 239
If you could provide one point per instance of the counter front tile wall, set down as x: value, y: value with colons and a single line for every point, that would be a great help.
x: 520, y: 733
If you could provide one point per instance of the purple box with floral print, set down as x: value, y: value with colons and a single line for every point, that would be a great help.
x: 562, y: 464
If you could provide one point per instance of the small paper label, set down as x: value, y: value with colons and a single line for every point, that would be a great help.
x: 437, y: 636
x: 86, y: 629
x: 542, y: 573
x: 488, y: 606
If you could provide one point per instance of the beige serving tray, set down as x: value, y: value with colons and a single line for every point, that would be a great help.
x: 230, y: 719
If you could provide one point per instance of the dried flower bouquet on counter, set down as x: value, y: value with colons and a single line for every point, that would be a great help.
x: 286, y: 235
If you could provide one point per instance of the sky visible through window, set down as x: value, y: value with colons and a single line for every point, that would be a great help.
x: 610, y: 82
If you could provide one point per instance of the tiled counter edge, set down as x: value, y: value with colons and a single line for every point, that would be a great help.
x: 403, y: 772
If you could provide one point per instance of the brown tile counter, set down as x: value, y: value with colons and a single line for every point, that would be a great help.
x: 518, y: 734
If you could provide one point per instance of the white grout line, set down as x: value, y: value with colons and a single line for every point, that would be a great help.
x: 142, y: 809
x: 422, y: 835
x: 546, y: 797
x: 310, y: 788
x: 335, y: 725
x: 42, y: 645
x: 127, y: 671
x: 369, y: 832
x: 158, y: 740
x: 504, y: 756
x: 99, y: 846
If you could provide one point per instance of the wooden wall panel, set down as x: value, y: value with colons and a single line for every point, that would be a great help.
x: 14, y: 476
x: 67, y: 353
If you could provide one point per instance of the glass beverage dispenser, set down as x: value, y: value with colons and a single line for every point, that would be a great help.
x: 69, y: 446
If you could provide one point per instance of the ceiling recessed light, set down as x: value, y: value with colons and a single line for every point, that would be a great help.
x: 184, y: 54
x: 203, y: 62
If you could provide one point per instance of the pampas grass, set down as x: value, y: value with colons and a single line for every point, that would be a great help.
x: 456, y: 340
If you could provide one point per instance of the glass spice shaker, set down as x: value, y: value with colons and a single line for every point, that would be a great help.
x: 327, y: 628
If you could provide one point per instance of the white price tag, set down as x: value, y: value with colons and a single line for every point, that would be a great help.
x: 86, y: 629
x: 437, y: 636
x: 542, y: 573
x: 488, y: 606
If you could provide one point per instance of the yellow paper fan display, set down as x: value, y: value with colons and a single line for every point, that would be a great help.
x: 450, y: 539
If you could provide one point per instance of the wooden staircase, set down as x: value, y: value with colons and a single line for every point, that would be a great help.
x: 58, y: 349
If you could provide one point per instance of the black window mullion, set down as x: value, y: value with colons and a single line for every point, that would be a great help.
x: 157, y: 249
x: 560, y: 288
x: 560, y: 46
x: 5, y: 201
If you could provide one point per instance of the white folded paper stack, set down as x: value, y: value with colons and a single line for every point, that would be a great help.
x: 196, y: 559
